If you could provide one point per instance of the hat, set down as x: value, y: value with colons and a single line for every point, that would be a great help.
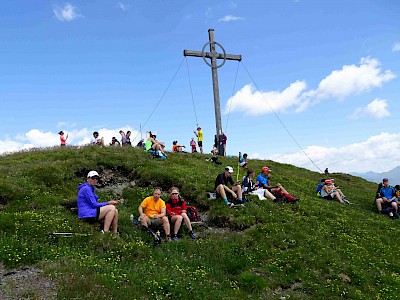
x: 61, y: 132
x: 92, y: 173
x: 385, y: 179
x: 199, y: 128
x: 266, y: 169
x: 229, y: 169
x: 328, y: 181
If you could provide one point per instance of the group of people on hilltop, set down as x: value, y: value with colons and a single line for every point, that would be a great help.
x: 262, y: 187
x: 152, y: 143
x: 172, y: 213
x: 152, y: 210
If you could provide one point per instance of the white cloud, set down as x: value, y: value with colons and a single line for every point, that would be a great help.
x: 230, y: 18
x: 66, y: 13
x: 350, y: 80
x: 378, y: 153
x: 396, y: 47
x: 39, y: 139
x: 377, y: 108
x: 123, y: 6
x: 252, y: 102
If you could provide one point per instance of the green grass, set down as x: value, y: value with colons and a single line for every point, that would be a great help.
x: 311, y: 250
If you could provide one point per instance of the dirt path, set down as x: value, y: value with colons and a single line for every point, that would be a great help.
x: 25, y: 283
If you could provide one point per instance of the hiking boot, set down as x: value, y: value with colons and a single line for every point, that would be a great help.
x: 230, y: 204
x: 193, y: 235
x: 175, y: 237
x: 168, y: 239
x: 395, y: 216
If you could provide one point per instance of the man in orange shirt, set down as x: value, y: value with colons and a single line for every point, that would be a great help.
x: 152, y: 210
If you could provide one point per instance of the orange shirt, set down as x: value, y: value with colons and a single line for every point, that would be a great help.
x: 152, y: 208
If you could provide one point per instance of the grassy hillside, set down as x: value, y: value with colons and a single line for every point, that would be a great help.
x: 311, y: 250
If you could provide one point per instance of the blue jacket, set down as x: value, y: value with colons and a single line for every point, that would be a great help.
x: 87, y: 201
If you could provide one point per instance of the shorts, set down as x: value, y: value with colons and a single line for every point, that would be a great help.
x: 95, y: 219
x: 200, y: 143
x: 329, y: 197
x: 242, y: 164
x: 151, y: 222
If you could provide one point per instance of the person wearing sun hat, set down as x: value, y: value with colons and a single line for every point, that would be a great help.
x: 263, y: 182
x: 91, y: 210
x: 221, y: 186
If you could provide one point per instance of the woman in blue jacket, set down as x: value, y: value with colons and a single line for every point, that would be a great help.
x: 91, y: 210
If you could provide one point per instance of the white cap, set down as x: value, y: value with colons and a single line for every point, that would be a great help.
x: 229, y: 169
x: 92, y: 173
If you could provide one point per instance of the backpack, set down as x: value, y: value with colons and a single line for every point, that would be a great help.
x: 192, y: 213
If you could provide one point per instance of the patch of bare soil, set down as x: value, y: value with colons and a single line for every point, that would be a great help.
x: 26, y: 283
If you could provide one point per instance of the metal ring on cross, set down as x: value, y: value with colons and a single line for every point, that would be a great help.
x: 203, y: 54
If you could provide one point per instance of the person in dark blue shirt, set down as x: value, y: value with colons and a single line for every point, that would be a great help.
x: 387, y: 198
x: 221, y: 186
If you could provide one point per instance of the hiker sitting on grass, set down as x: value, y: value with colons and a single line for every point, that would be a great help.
x: 176, y: 210
x: 243, y: 162
x: 336, y: 188
x: 248, y: 187
x: 90, y: 210
x: 221, y: 186
x: 96, y: 140
x: 153, y: 144
x: 176, y: 147
x: 264, y: 182
x: 387, y: 199
x: 328, y: 192
x: 152, y: 211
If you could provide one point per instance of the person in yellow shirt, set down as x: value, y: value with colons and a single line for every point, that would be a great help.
x: 199, y: 135
x: 152, y: 211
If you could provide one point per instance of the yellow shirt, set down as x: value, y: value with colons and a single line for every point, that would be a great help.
x: 152, y: 208
x: 200, y: 136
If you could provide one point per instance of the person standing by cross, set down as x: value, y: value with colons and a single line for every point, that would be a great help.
x: 199, y: 135
x: 214, y: 56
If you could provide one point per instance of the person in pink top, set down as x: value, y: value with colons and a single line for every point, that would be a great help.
x: 63, y: 139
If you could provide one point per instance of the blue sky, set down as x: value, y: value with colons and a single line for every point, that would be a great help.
x: 323, y: 72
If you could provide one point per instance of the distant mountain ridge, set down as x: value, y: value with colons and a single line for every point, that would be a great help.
x: 393, y: 176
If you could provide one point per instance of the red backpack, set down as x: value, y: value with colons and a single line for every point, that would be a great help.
x: 192, y: 213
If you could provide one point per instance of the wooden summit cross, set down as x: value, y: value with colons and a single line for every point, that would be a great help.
x: 213, y: 55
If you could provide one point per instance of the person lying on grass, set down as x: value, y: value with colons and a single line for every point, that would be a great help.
x: 176, y: 210
x: 90, y: 210
x: 221, y: 186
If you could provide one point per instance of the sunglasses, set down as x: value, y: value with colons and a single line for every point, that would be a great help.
x: 175, y: 193
x: 95, y: 177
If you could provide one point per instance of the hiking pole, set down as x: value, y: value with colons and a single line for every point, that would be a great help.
x: 68, y: 234
x: 237, y: 175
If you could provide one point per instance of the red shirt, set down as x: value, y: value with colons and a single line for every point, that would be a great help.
x: 175, y: 206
